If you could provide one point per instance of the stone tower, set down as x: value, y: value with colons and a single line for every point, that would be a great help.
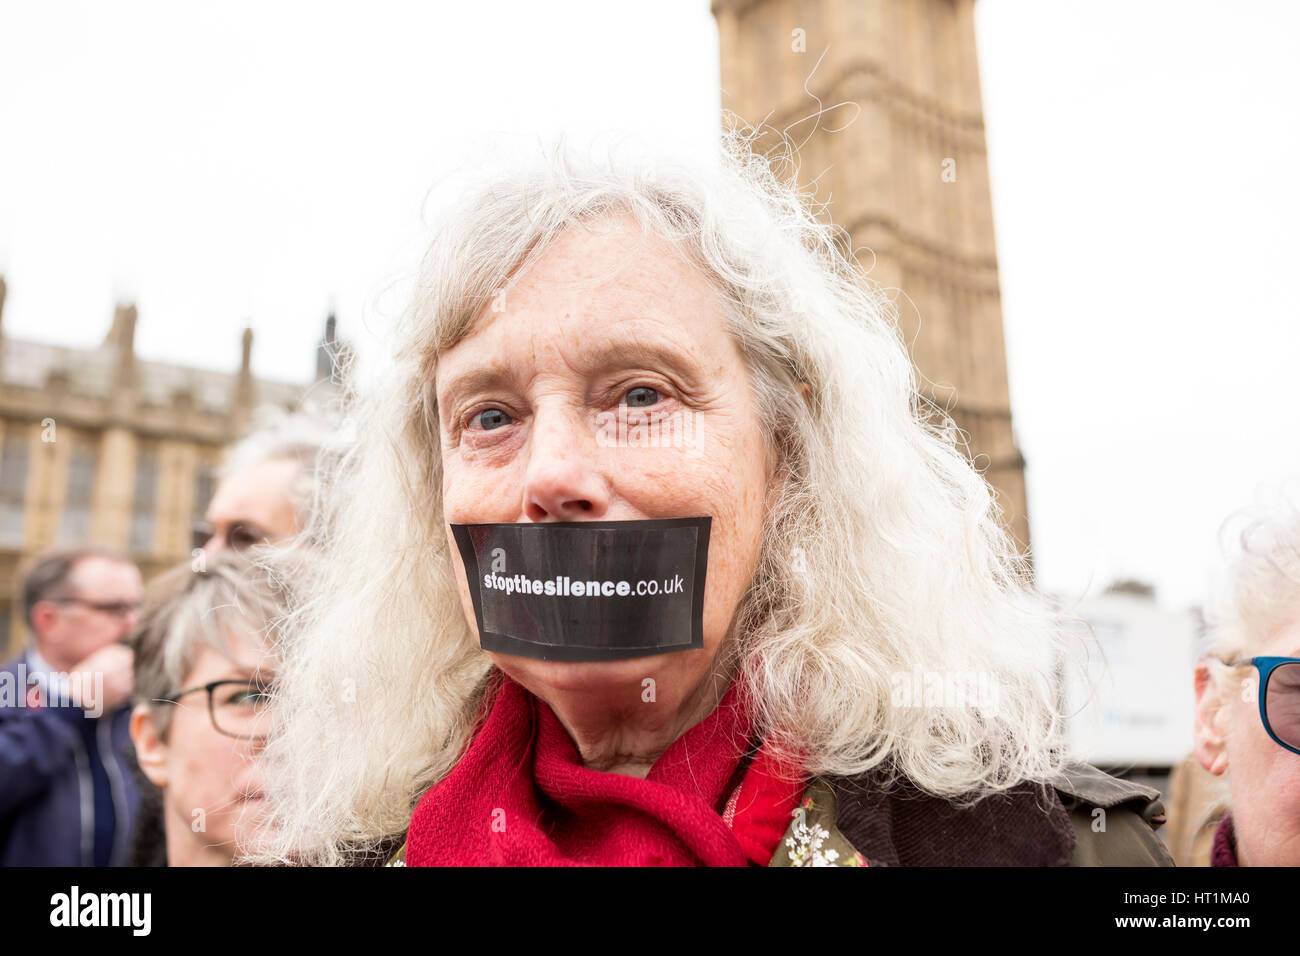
x: 903, y: 164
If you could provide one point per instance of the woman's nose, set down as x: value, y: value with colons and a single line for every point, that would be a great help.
x: 562, y: 482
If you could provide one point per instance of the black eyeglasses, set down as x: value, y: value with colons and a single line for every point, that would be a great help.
x: 237, y: 708
x: 113, y: 608
x: 238, y: 537
x: 1279, y: 697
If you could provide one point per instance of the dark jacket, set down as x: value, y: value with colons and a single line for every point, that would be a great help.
x: 1084, y: 818
x: 149, y: 835
x: 50, y: 760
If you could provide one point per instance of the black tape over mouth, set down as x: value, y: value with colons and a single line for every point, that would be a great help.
x: 530, y: 581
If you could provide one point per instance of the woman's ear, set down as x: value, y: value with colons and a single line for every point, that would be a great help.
x: 1211, y: 736
x: 778, y: 473
x: 150, y: 748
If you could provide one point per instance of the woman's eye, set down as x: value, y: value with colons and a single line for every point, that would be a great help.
x: 640, y: 397
x: 491, y: 418
x: 250, y: 697
x: 245, y: 536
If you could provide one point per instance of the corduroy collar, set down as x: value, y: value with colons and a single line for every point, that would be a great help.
x: 903, y: 826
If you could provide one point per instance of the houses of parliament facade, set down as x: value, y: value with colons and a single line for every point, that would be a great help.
x: 97, y: 445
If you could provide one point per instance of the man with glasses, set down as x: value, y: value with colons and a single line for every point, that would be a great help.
x: 267, y: 484
x: 67, y: 791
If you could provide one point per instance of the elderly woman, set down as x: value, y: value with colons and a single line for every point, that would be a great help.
x: 646, y: 555
x: 203, y: 676
x: 1248, y: 699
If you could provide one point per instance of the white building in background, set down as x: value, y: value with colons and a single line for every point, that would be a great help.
x: 1128, y: 681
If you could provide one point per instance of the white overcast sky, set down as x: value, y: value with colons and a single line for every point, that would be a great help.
x: 252, y: 163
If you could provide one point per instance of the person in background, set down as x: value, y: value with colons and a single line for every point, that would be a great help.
x: 266, y: 496
x: 1248, y: 699
x: 267, y: 485
x: 67, y: 794
x: 204, y: 671
x: 1197, y: 802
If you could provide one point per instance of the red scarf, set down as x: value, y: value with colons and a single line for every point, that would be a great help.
x: 520, y: 796
x: 1223, y: 851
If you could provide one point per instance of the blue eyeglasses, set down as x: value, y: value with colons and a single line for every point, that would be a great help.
x: 1279, y: 698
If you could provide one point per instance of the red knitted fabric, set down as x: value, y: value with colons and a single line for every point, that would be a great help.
x: 520, y: 796
x: 760, y: 809
x: 1223, y: 852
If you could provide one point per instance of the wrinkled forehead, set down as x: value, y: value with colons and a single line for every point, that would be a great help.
x: 594, y: 268
x: 103, y: 579
x: 251, y: 487
x: 595, y: 295
x: 1283, y: 642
